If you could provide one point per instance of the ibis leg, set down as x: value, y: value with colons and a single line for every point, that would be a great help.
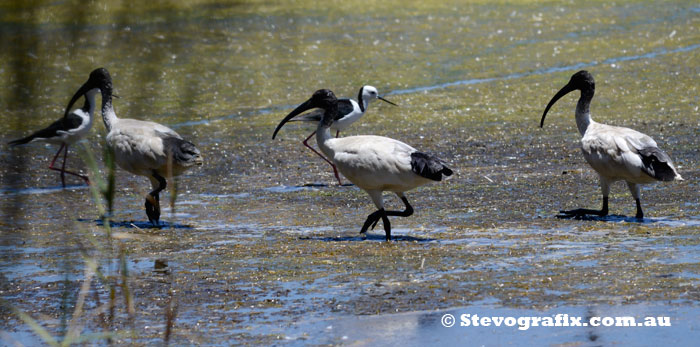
x: 640, y: 214
x: 335, y: 170
x: 406, y: 212
x: 153, y: 200
x: 373, y: 218
x: 634, y: 189
x: 582, y: 212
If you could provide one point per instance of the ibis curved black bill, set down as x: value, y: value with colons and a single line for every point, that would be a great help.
x: 565, y: 90
x: 307, y: 105
x: 387, y: 101
x: 82, y: 91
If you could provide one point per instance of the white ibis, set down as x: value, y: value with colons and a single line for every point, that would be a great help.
x: 349, y: 111
x: 73, y: 127
x: 373, y: 163
x: 615, y: 153
x: 140, y: 147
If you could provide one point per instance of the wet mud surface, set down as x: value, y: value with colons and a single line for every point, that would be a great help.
x: 263, y: 248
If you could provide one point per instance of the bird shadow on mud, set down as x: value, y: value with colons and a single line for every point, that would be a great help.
x: 41, y: 190
x: 367, y: 237
x: 311, y: 186
x: 316, y: 184
x: 613, y: 218
x: 137, y: 224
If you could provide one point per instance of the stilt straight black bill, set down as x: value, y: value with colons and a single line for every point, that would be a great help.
x: 387, y: 101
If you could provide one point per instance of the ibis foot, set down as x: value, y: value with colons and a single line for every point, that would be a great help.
x: 153, y: 209
x: 373, y: 218
x: 372, y: 221
x: 581, y: 213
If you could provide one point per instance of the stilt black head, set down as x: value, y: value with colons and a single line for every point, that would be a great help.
x: 581, y: 80
x: 323, y: 99
x: 100, y: 79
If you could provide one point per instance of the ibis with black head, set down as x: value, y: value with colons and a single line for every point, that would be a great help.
x: 373, y: 163
x: 140, y: 147
x: 615, y: 153
x: 349, y: 111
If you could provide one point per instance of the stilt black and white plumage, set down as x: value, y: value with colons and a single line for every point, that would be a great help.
x: 615, y: 153
x: 349, y: 111
x: 141, y: 147
x: 71, y: 128
x: 373, y: 163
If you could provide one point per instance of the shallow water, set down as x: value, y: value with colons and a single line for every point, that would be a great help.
x: 263, y: 248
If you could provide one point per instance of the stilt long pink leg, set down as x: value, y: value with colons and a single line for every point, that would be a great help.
x: 63, y: 170
x: 63, y: 178
x: 335, y: 170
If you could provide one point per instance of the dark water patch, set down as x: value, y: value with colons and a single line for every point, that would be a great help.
x: 289, y: 189
x: 34, y: 270
x: 692, y: 222
x: 187, y: 202
x: 675, y: 254
x: 368, y: 237
x: 313, y: 186
x: 137, y: 224
x: 613, y: 218
x: 223, y: 196
x: 324, y: 185
x: 301, y: 230
x: 694, y: 277
x: 268, y: 307
x: 233, y: 227
x: 28, y: 250
x: 480, y: 241
x: 44, y: 190
x: 668, y: 221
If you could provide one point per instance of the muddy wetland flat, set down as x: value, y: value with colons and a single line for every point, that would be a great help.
x: 262, y: 247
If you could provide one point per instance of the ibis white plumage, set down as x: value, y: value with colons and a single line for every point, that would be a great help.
x: 143, y: 148
x: 71, y: 128
x: 615, y: 153
x: 349, y: 111
x: 373, y: 163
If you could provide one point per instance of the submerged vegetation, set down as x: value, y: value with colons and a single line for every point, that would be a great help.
x: 103, y: 308
x: 249, y: 255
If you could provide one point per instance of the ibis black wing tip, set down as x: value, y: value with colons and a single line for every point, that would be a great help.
x: 429, y: 166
